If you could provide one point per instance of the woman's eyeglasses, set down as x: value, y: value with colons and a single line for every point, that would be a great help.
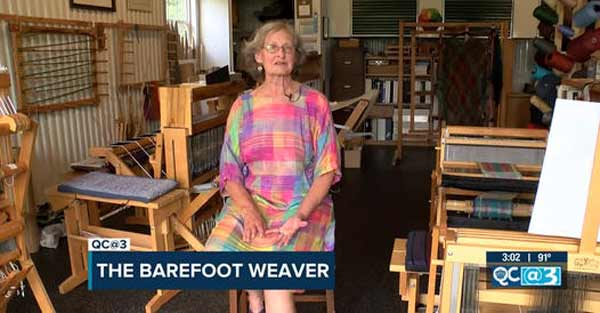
x: 272, y: 49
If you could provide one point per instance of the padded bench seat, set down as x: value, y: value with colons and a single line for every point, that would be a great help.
x: 105, y: 185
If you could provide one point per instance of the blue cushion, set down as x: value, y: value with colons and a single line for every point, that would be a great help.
x: 112, y: 186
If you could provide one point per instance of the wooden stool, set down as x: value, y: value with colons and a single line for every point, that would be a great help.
x: 77, y: 220
x: 240, y: 305
x: 408, y: 281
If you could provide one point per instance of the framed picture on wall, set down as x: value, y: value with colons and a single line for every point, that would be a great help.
x: 102, y: 5
x: 304, y: 8
x: 139, y: 5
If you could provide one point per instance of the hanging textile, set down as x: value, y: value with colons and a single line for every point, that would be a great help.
x: 465, y: 89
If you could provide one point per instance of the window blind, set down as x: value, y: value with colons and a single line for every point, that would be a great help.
x: 381, y: 17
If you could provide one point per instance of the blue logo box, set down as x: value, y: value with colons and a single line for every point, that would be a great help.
x: 211, y: 270
x: 525, y: 276
x: 525, y: 269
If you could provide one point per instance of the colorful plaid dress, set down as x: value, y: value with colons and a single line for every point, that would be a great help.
x: 276, y: 150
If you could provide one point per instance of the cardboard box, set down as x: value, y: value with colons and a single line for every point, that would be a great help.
x: 352, y: 157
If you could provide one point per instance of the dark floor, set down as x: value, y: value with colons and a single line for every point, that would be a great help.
x: 376, y: 204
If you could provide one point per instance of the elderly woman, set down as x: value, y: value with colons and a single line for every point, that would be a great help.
x: 279, y: 159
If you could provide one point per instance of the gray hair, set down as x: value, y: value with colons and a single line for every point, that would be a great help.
x: 257, y: 42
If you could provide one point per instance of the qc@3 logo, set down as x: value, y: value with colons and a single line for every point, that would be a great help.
x: 526, y: 276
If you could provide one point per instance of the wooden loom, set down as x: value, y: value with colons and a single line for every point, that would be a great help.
x: 364, y: 104
x: 192, y: 144
x: 15, y: 177
x: 180, y: 123
x: 464, y: 246
x: 461, y: 148
x: 417, y: 43
x: 135, y: 157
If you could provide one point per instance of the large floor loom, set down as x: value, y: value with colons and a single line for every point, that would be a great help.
x: 179, y: 219
x: 485, y: 178
x: 16, y: 265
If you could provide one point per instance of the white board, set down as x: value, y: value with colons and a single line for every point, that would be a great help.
x: 561, y: 198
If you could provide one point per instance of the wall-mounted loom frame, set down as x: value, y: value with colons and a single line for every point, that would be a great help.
x: 58, y: 59
x: 12, y: 206
x: 126, y: 54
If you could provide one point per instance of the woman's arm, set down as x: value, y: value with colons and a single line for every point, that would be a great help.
x: 315, y: 195
x: 313, y: 198
x: 253, y: 222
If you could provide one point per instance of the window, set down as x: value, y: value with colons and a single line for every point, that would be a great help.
x: 381, y: 17
x: 184, y: 13
x: 478, y: 10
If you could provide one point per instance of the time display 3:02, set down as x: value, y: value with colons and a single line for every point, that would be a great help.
x: 512, y: 257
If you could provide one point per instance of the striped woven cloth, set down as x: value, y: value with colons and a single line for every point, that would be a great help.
x: 500, y: 170
x: 494, y: 205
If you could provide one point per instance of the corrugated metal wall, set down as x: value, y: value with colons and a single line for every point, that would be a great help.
x: 524, y: 63
x: 61, y: 9
x: 65, y: 136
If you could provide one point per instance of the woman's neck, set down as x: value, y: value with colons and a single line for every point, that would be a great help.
x: 277, y: 86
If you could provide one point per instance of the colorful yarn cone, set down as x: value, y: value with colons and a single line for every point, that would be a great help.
x: 545, y: 88
x: 546, y: 30
x: 544, y: 45
x: 566, y: 31
x: 540, y: 104
x: 539, y: 72
x: 559, y: 61
x: 540, y: 59
x: 587, y: 15
x: 580, y: 48
x: 546, y: 14
x: 430, y: 15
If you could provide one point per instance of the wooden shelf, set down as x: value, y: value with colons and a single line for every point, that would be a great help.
x: 428, y: 76
x: 418, y: 106
x: 381, y: 111
x: 381, y: 58
x: 373, y: 142
x: 424, y: 93
x: 382, y: 75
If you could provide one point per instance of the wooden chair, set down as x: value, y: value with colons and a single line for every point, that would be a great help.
x: 238, y: 300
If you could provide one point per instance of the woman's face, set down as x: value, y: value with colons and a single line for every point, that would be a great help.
x: 278, y: 54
